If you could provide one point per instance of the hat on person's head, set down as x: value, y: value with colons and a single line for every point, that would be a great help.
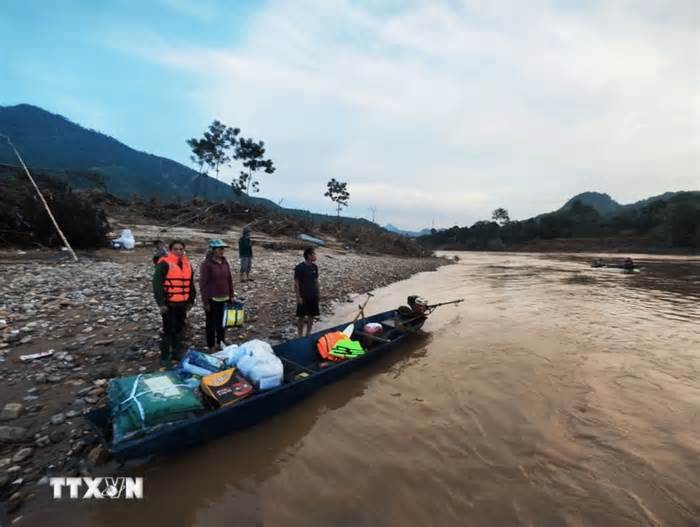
x: 216, y: 244
x: 246, y: 230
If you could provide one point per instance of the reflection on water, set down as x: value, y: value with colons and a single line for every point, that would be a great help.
x: 557, y: 394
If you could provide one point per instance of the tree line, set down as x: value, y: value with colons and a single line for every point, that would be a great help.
x: 220, y: 145
x: 673, y: 221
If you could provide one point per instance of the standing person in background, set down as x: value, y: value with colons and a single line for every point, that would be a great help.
x: 245, y: 252
x: 216, y: 288
x: 307, y: 291
x: 173, y: 288
x: 159, y: 250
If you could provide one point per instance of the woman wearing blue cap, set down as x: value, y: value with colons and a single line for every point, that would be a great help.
x: 216, y: 287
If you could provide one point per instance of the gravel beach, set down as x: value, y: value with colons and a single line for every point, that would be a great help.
x: 99, y: 320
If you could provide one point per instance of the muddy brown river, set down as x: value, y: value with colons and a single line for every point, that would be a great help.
x: 557, y: 394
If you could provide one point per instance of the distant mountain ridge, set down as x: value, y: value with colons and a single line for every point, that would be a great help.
x: 411, y: 234
x: 669, y: 221
x: 51, y: 141
x: 602, y: 203
x: 608, y: 207
x: 82, y: 158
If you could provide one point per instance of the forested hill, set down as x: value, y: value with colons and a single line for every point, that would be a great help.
x: 669, y: 220
x: 51, y: 141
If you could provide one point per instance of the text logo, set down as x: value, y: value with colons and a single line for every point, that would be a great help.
x: 97, y: 488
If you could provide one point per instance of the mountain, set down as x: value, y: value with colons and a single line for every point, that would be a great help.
x: 668, y: 221
x: 83, y: 158
x: 608, y: 207
x: 643, y: 202
x: 47, y: 140
x: 602, y: 203
x: 411, y: 234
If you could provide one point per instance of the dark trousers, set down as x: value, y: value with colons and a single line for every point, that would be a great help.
x: 173, y: 331
x: 215, y: 322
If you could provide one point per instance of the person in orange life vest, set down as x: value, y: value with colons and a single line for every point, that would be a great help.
x: 216, y: 288
x: 173, y: 288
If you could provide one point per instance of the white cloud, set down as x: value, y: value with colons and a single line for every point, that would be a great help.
x: 451, y: 110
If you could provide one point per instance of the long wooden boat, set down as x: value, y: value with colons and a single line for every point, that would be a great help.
x: 298, y: 355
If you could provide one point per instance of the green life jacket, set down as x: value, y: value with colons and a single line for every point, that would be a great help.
x: 347, y: 349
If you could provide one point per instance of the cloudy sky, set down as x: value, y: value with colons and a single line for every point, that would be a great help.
x: 431, y: 111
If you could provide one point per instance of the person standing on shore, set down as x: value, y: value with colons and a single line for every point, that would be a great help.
x: 159, y: 250
x: 216, y: 288
x: 307, y: 291
x: 173, y: 288
x: 245, y: 253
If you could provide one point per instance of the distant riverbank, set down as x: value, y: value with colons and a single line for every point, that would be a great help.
x: 621, y: 245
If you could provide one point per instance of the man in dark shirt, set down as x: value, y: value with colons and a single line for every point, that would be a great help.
x: 245, y: 253
x: 307, y: 290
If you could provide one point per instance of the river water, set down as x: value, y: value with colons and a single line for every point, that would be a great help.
x: 557, y: 394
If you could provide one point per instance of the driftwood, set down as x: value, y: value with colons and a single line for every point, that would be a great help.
x: 190, y: 217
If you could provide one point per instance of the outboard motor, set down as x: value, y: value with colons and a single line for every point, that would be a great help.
x: 412, y: 316
x: 417, y: 304
x: 416, y: 307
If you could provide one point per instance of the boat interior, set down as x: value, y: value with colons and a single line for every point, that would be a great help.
x: 301, y: 359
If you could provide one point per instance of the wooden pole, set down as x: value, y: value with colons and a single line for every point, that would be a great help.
x: 41, y: 196
x: 361, y: 312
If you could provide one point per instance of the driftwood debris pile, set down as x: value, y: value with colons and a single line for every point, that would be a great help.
x: 24, y: 221
x: 83, y: 216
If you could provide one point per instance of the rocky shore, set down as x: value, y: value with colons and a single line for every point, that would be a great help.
x: 96, y: 319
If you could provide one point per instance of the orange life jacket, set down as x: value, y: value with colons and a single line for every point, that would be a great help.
x: 178, y: 281
x: 326, y: 343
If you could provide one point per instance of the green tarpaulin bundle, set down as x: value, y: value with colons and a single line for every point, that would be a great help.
x: 141, y: 402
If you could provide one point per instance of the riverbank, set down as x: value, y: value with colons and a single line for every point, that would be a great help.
x: 98, y: 319
x: 619, y: 244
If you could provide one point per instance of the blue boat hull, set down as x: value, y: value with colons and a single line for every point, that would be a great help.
x: 217, y: 423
